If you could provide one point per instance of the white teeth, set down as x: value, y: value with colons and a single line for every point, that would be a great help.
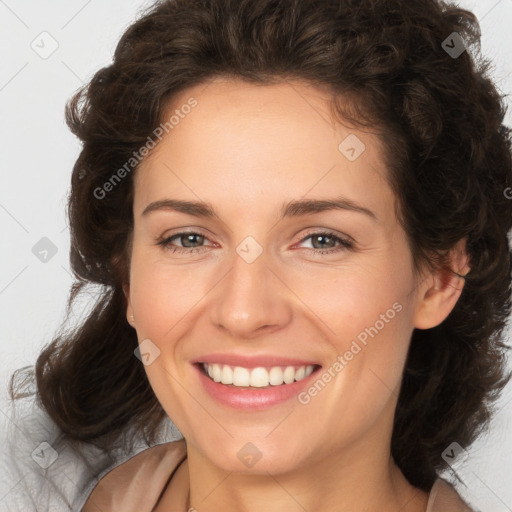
x: 275, y: 376
x: 259, y: 377
x: 300, y: 373
x: 241, y: 376
x: 216, y: 373
x: 289, y: 375
x: 227, y: 375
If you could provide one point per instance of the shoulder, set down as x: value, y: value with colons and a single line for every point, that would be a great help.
x: 444, y: 498
x: 138, y: 482
x: 42, y: 468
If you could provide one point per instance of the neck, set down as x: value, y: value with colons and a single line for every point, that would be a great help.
x: 352, y: 480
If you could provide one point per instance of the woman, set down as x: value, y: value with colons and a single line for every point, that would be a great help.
x: 301, y: 376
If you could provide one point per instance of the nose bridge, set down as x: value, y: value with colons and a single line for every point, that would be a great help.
x: 250, y: 297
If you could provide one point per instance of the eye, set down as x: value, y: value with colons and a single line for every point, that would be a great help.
x: 187, y: 238
x: 330, y: 239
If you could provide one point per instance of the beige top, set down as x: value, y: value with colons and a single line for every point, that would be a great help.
x: 138, y: 484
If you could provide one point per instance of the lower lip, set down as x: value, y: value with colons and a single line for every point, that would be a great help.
x: 253, y: 398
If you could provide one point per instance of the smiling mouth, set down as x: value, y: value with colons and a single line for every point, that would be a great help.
x: 259, y: 377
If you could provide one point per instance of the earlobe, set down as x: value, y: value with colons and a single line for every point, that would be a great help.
x: 441, y: 289
x: 129, y: 310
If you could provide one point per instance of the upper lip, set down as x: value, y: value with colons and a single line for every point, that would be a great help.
x: 253, y: 361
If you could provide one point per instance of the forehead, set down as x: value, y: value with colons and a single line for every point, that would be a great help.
x: 242, y: 142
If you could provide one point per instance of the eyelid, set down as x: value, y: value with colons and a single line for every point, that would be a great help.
x: 163, y: 239
x: 345, y: 242
x: 328, y: 232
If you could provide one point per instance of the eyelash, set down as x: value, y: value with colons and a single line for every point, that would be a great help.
x: 345, y: 244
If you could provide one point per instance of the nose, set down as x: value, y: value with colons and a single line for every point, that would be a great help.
x: 251, y: 299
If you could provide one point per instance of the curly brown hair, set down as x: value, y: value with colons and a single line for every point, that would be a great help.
x: 448, y: 157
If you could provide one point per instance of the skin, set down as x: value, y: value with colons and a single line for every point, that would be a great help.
x: 247, y: 149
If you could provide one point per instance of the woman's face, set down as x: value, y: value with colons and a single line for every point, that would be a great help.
x: 273, y: 278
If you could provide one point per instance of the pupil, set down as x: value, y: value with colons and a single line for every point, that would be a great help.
x: 189, y: 238
x: 322, y: 237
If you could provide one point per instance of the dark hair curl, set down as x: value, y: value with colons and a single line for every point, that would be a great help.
x: 448, y: 158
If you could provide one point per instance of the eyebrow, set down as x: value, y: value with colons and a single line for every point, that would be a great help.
x: 295, y: 208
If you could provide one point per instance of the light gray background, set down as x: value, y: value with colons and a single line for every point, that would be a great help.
x: 37, y: 154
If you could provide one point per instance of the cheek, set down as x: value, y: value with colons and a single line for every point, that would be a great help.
x: 162, y: 295
x: 163, y: 299
x: 365, y: 315
x: 367, y: 325
x: 355, y: 300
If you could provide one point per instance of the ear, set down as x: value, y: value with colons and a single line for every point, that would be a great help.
x: 441, y: 289
x: 129, y: 309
